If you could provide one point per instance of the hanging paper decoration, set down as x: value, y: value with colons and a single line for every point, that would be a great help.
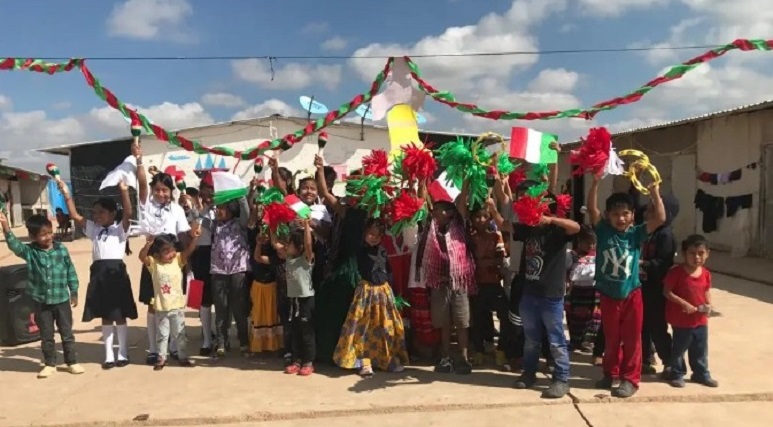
x: 641, y: 164
x: 402, y: 127
x: 399, y: 90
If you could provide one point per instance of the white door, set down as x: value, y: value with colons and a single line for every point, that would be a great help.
x: 684, y: 184
x: 767, y: 206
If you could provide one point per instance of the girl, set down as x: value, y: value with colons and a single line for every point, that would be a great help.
x: 299, y: 261
x: 266, y: 325
x: 583, y: 316
x: 159, y: 208
x: 165, y: 264
x: 201, y: 260
x: 230, y: 264
x: 109, y: 295
x: 373, y: 332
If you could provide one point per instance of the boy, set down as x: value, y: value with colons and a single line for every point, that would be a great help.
x: 53, y: 285
x: 688, y: 295
x: 542, y: 302
x: 657, y: 255
x: 617, y: 280
x: 488, y: 249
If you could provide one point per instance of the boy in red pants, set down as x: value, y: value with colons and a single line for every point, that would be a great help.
x: 617, y: 280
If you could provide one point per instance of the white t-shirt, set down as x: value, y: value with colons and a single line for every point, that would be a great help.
x: 108, y: 242
x: 166, y: 219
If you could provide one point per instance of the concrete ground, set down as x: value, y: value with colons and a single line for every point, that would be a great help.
x: 254, y: 391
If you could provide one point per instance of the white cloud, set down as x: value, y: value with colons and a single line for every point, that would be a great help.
x: 733, y: 19
x: 494, y: 32
x: 150, y: 19
x: 554, y: 80
x: 222, y: 99
x: 169, y: 115
x: 334, y: 43
x: 315, y: 28
x: 267, y: 108
x: 607, y: 8
x: 291, y: 76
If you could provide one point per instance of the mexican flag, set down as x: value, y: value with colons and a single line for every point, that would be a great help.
x: 228, y: 187
x: 302, y: 209
x: 532, y: 146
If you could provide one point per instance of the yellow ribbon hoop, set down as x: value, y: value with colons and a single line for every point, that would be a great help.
x: 487, y: 136
x: 640, y: 165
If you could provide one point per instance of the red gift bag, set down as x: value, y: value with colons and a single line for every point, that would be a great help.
x: 195, y: 293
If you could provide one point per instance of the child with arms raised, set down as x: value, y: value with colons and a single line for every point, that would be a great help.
x: 109, y: 295
x: 617, y: 280
x: 688, y: 305
x: 53, y: 285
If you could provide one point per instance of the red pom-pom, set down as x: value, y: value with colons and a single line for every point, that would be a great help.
x: 418, y: 163
x: 530, y: 210
x: 563, y: 205
x: 278, y: 213
x: 593, y: 155
x: 405, y: 206
x: 376, y: 163
x: 517, y: 177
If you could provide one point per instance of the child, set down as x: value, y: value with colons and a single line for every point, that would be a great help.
x: 53, y: 285
x: 109, y: 296
x: 488, y: 249
x: 542, y: 303
x: 688, y: 305
x: 266, y: 326
x: 230, y: 264
x: 165, y: 264
x: 583, y: 316
x: 657, y: 258
x: 159, y: 207
x: 63, y: 221
x: 617, y: 280
x: 373, y: 333
x: 299, y: 261
x: 201, y: 259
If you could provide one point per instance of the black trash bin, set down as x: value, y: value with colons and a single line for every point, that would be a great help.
x: 17, y: 320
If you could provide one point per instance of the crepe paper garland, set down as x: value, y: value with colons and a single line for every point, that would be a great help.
x: 641, y: 164
x: 39, y: 65
x: 53, y: 170
x: 673, y: 73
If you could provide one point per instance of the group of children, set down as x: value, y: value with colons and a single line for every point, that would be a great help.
x: 331, y: 289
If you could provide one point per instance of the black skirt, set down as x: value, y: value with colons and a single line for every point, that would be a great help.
x: 201, y: 262
x: 109, y: 295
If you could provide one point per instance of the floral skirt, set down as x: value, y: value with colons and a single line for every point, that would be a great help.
x: 373, y: 332
x: 265, y: 325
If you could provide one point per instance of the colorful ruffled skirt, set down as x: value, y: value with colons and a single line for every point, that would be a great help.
x: 373, y: 332
x: 265, y: 325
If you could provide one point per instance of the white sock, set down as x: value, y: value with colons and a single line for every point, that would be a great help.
x: 123, y: 344
x: 152, y: 345
x: 107, y: 337
x: 205, y: 315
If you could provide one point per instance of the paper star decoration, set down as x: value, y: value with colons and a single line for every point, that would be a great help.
x: 399, y: 90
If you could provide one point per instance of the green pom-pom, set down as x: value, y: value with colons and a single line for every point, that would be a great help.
x: 272, y: 195
x: 505, y: 166
x: 372, y: 193
x: 538, y: 172
x: 537, y: 190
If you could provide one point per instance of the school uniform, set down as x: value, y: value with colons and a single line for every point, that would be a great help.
x: 109, y: 295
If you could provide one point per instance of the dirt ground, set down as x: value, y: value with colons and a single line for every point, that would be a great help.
x: 254, y: 391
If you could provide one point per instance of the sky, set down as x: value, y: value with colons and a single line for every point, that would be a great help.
x: 39, y: 110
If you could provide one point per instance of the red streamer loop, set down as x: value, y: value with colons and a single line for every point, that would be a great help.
x: 530, y: 210
x: 377, y: 163
x: 418, y: 163
x: 593, y: 155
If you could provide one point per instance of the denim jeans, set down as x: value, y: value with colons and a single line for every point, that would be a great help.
x: 49, y: 316
x: 231, y: 297
x: 171, y: 324
x: 539, y: 313
x: 694, y: 341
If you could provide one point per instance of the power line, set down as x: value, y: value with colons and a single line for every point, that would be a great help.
x: 436, y: 55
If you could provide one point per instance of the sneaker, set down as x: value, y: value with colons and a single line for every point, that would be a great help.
x: 557, y: 390
x: 708, y: 381
x: 75, y: 369
x: 463, y: 367
x: 648, y: 370
x: 604, y: 383
x: 122, y: 363
x: 586, y: 348
x: 108, y: 365
x: 220, y: 352
x: 525, y: 381
x: 366, y: 371
x: 152, y: 359
x: 47, y: 371
x: 445, y: 366
x: 677, y: 382
x: 307, y: 370
x: 625, y: 390
x: 667, y: 374
x: 293, y: 369
x: 500, y: 358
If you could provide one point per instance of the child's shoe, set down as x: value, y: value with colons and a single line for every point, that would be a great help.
x: 625, y: 390
x: 445, y: 366
x: 108, y: 365
x: 75, y: 369
x: 307, y: 370
x: 463, y: 367
x: 47, y: 371
x: 160, y: 364
x: 525, y: 381
x: 708, y: 381
x: 604, y: 383
x: 478, y: 359
x: 677, y: 382
x: 557, y: 390
x: 293, y: 369
x: 122, y: 363
x: 152, y: 359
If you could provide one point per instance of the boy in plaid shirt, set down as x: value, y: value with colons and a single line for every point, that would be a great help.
x: 53, y: 285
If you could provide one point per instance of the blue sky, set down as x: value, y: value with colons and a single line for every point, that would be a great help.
x: 41, y: 110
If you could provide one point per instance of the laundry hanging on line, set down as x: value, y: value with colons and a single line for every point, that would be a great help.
x: 724, y: 177
x: 715, y: 208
